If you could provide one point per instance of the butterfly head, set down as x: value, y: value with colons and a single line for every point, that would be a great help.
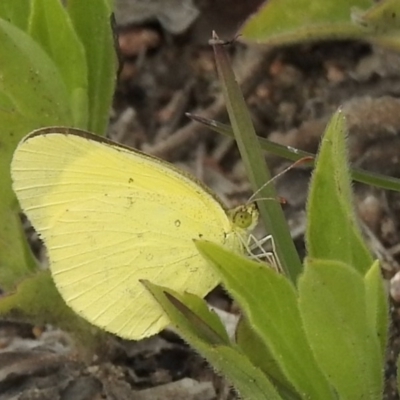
x: 244, y: 217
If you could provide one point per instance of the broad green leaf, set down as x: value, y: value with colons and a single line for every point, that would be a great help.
x: 383, y: 22
x: 32, y: 95
x: 32, y: 91
x: 398, y: 375
x: 291, y: 21
x: 332, y: 229
x: 254, y: 163
x: 36, y: 300
x: 16, y: 12
x: 258, y: 353
x: 382, y: 17
x: 250, y: 382
x: 377, y: 304
x: 269, y: 302
x: 52, y: 28
x: 195, y: 311
x: 281, y: 22
x: 91, y: 19
x: 332, y: 300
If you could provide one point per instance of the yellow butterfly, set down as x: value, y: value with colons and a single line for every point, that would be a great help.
x: 111, y: 216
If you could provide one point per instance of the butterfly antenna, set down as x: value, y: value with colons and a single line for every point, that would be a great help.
x: 294, y: 165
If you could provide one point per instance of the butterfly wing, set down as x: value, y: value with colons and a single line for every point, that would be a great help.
x: 109, y: 217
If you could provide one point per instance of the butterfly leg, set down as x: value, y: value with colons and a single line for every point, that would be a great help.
x: 270, y: 256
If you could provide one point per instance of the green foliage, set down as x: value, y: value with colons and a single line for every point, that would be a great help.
x: 49, y: 76
x: 324, y: 339
x: 52, y: 28
x: 320, y: 336
x: 32, y: 94
x: 292, y: 21
x: 16, y: 12
x: 382, y: 23
x: 332, y: 231
x: 377, y: 303
x: 201, y: 329
x: 289, y: 21
x: 92, y: 22
x: 257, y: 289
x: 333, y: 305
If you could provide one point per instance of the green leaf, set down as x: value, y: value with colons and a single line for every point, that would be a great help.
x: 256, y: 168
x: 382, y: 17
x: 398, y: 375
x: 52, y: 28
x: 195, y: 311
x: 382, y: 21
x: 91, y: 19
x: 16, y: 12
x: 377, y: 304
x: 248, y: 380
x: 281, y: 22
x: 332, y: 300
x: 291, y: 21
x: 258, y: 353
x: 269, y: 302
x: 31, y: 88
x: 332, y: 230
x: 32, y: 95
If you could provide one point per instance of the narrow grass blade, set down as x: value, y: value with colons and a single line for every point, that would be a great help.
x: 293, y: 154
x: 255, y: 165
